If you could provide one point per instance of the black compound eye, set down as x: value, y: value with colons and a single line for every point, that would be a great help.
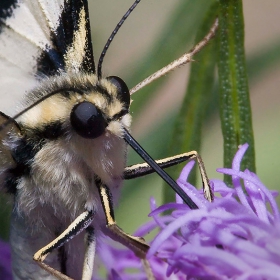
x: 123, y: 91
x: 87, y: 120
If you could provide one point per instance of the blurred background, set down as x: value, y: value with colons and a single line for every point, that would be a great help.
x: 136, y: 53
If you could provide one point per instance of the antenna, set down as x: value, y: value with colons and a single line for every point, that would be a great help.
x: 113, y: 34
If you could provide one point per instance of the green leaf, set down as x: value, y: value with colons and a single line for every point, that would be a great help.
x: 235, y: 108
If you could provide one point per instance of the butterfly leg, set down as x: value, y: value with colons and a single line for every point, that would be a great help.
x: 78, y: 225
x: 148, y: 269
x: 136, y: 244
x: 142, y: 169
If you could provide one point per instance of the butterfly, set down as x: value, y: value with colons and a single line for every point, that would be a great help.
x: 63, y: 156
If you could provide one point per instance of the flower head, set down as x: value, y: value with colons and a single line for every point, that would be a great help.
x: 236, y: 236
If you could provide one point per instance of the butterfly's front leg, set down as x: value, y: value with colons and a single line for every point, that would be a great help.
x: 135, y: 243
x: 79, y: 224
x: 142, y: 169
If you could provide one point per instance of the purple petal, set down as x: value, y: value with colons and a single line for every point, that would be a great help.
x: 238, y: 157
x: 171, y: 228
x: 257, y: 182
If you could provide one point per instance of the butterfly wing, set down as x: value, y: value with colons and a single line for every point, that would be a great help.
x: 39, y: 38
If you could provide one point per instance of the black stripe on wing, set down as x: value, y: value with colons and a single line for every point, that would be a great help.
x: 53, y: 59
x: 6, y: 8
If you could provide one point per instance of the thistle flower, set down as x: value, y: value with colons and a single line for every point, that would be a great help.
x: 235, y: 237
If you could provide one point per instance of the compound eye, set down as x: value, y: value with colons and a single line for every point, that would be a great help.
x: 87, y: 120
x: 123, y: 91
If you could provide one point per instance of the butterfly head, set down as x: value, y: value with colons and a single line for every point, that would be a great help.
x: 79, y: 105
x: 91, y: 121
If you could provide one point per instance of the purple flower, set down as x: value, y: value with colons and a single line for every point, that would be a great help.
x: 235, y: 237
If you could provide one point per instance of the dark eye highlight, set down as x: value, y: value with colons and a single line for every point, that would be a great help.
x: 87, y: 120
x: 122, y: 89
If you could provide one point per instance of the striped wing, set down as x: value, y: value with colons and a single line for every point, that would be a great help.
x: 38, y: 38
